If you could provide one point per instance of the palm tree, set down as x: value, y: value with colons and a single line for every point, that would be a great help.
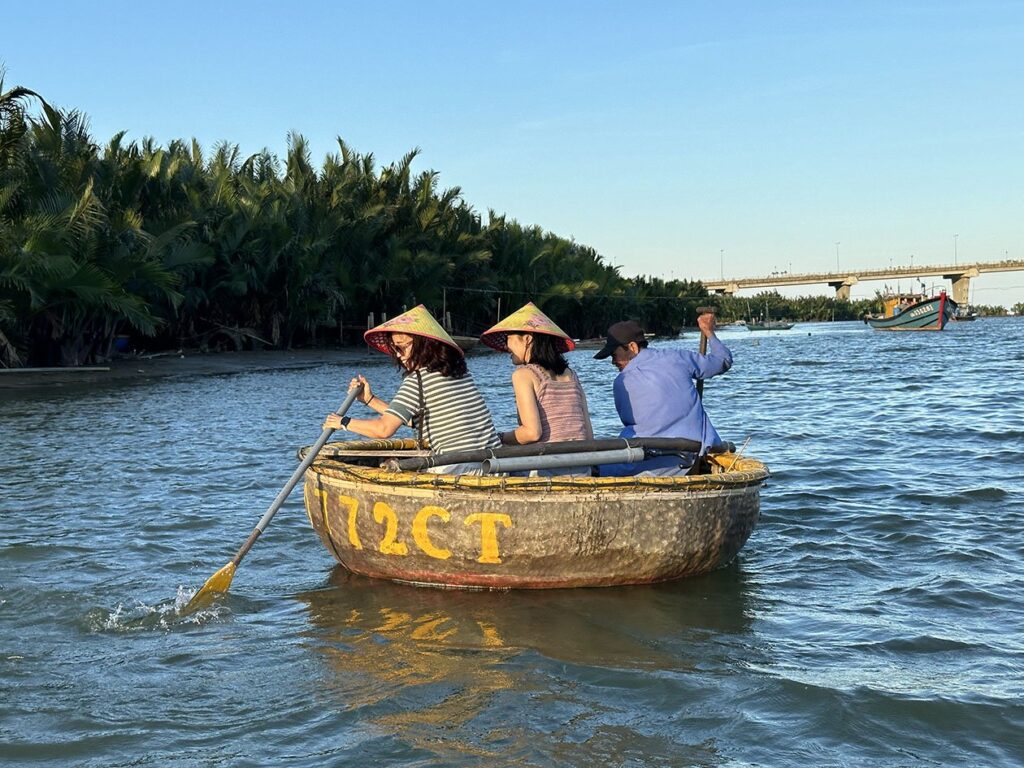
x: 187, y: 246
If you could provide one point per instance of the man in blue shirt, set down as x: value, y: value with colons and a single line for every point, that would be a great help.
x: 655, y: 394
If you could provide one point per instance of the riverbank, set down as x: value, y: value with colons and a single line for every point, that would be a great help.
x: 181, y: 363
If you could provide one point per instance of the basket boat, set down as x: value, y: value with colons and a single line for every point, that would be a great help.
x: 498, y: 532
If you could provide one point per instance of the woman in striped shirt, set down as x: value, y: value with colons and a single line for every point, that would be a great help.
x: 550, y: 401
x: 437, y: 395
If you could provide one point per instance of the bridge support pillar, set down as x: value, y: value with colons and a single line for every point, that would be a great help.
x: 962, y: 285
x: 843, y: 287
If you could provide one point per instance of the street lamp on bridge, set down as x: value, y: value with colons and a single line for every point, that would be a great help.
x: 837, y: 255
x: 954, y: 248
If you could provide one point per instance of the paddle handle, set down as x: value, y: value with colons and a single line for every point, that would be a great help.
x: 703, y: 347
x: 294, y: 479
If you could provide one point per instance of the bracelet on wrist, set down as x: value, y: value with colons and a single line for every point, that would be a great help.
x: 344, y: 421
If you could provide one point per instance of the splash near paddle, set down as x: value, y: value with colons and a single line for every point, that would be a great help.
x: 220, y: 582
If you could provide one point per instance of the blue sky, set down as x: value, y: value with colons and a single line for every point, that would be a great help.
x: 661, y: 134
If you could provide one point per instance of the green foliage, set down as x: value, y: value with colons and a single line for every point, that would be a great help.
x: 801, y: 309
x: 178, y: 246
x: 986, y: 310
x: 76, y: 268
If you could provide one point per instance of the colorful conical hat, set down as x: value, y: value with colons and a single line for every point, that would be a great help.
x: 528, y: 319
x: 416, y: 322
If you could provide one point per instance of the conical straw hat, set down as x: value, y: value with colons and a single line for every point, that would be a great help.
x: 416, y: 322
x: 528, y: 319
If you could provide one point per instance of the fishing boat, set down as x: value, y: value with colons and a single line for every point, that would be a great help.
x: 465, y: 343
x: 593, y: 343
x: 964, y: 314
x: 769, y: 325
x: 913, y: 312
x: 765, y: 323
x: 598, y: 343
x: 503, y: 532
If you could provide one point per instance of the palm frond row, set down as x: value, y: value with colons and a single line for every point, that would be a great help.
x: 176, y: 246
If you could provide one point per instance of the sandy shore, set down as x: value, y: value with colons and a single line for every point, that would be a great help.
x: 183, y: 364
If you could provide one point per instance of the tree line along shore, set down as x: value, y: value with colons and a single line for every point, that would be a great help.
x: 132, y: 244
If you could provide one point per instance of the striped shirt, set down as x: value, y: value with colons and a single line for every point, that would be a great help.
x: 562, y: 405
x: 457, y: 418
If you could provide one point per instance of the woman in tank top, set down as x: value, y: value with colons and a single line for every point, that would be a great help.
x: 550, y: 401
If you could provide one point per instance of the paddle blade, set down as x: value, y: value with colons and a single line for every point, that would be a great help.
x: 216, y: 584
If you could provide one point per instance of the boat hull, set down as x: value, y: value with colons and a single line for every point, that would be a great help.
x: 531, y: 533
x: 771, y: 325
x: 465, y: 343
x: 931, y: 315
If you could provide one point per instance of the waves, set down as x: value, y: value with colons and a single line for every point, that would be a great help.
x: 874, y: 617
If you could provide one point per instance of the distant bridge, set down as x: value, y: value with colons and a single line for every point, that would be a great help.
x: 958, y: 274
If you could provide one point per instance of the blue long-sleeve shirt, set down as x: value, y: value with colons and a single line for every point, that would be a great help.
x: 655, y: 396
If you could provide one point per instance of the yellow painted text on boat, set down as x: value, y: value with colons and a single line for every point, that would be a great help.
x: 394, y: 540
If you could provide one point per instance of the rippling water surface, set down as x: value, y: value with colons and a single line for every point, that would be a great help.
x: 875, y: 617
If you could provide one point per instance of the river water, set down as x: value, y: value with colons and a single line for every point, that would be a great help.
x: 875, y: 617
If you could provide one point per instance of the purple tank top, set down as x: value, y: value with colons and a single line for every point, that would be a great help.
x: 562, y: 405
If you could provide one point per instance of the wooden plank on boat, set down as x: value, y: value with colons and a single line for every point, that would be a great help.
x: 342, y: 455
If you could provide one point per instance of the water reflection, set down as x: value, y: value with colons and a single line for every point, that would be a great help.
x: 619, y: 626
x: 425, y: 659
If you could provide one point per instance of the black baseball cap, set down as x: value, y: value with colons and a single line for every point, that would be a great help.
x: 619, y: 335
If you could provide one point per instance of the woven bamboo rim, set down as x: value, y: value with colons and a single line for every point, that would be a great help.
x: 736, y: 472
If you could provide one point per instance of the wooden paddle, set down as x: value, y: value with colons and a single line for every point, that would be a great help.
x: 221, y: 580
x: 703, y: 346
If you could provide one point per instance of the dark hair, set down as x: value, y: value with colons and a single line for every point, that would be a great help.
x: 431, y: 355
x: 545, y: 352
